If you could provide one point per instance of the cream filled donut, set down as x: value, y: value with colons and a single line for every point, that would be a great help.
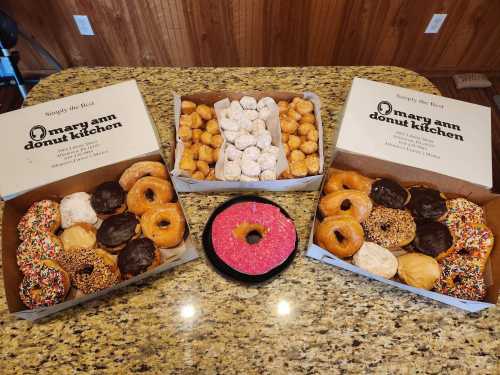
x: 76, y: 208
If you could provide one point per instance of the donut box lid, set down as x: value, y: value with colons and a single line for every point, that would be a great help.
x: 51, y: 141
x: 442, y: 135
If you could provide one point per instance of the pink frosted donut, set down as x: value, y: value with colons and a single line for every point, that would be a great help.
x: 253, y: 238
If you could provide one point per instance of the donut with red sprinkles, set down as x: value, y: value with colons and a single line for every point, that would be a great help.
x: 38, y: 246
x: 461, y: 277
x: 46, y: 286
x: 462, y: 212
x: 475, y: 240
x: 43, y: 216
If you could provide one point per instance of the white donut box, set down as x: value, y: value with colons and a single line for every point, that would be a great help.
x: 455, y: 160
x: 53, y: 170
x: 219, y: 101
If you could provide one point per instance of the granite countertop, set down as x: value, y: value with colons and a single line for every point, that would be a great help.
x: 314, y: 318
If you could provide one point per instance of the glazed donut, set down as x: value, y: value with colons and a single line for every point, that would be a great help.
x: 426, y: 203
x: 108, y: 199
x: 46, y: 286
x: 389, y: 227
x: 354, y: 203
x: 38, y: 246
x: 164, y: 224
x: 389, y: 193
x: 476, y: 240
x: 433, y: 238
x: 91, y: 270
x: 147, y: 192
x: 117, y: 230
x: 43, y: 216
x: 140, y: 255
x: 341, y: 235
x: 461, y: 277
x: 342, y: 180
x: 81, y: 235
x: 141, y: 169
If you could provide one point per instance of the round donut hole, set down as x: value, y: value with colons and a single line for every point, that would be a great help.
x: 150, y: 195
x: 86, y: 270
x: 253, y: 237
x: 345, y: 205
x: 163, y: 224
x: 385, y: 227
x: 339, y: 236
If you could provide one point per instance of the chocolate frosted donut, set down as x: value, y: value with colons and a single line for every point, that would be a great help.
x: 389, y: 193
x: 426, y: 203
x: 116, y: 230
x: 137, y: 257
x: 432, y: 238
x: 108, y: 198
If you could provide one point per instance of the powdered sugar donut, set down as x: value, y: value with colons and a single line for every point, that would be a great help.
x: 267, y: 161
x: 265, y: 102
x: 264, y: 140
x: 232, y: 170
x: 268, y: 175
x: 231, y: 135
x: 247, y: 102
x: 244, y: 141
x: 233, y: 153
x: 251, y: 114
x: 229, y: 124
x: 246, y: 178
x: 258, y: 126
x: 250, y: 168
x: 251, y: 153
x: 76, y: 208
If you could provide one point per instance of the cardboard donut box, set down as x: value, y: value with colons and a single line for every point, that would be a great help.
x: 186, y: 184
x: 70, y: 145
x: 419, y: 139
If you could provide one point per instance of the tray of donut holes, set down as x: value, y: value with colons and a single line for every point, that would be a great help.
x: 228, y: 141
x: 420, y: 231
x: 81, y: 237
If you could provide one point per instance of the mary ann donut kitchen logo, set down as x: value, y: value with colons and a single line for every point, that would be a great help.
x: 40, y: 136
x: 386, y: 114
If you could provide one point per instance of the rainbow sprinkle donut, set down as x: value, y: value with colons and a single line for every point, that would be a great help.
x: 42, y: 216
x: 37, y: 246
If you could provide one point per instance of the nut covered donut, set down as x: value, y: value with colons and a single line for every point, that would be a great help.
x: 341, y: 235
x: 142, y: 169
x: 164, y: 224
x: 253, y: 238
x: 46, y: 286
x: 42, y: 216
x: 346, y: 202
x: 148, y: 192
x: 389, y: 227
x: 342, y: 180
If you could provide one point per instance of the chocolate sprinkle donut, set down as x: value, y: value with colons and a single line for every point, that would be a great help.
x: 389, y: 193
x: 426, y: 203
x: 117, y: 229
x: 108, y: 197
x: 432, y: 238
x: 137, y: 256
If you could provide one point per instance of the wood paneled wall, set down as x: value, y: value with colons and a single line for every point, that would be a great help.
x: 263, y: 32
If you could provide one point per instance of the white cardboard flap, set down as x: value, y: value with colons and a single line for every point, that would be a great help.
x: 412, y: 128
x: 64, y: 137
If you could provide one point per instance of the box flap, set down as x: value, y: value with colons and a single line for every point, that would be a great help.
x: 426, y: 131
x: 64, y: 137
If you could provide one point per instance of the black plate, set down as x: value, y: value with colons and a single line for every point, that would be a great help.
x: 222, y: 267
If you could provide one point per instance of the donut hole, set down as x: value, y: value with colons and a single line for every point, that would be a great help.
x: 149, y: 194
x: 86, y: 270
x: 162, y: 224
x: 385, y: 227
x: 345, y: 205
x: 339, y: 236
x: 253, y: 237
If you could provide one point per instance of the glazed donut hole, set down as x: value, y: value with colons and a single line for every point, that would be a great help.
x: 195, y: 149
x: 309, y: 147
x: 203, y: 167
x: 308, y: 118
x: 282, y: 106
x: 185, y: 120
x: 286, y: 148
x: 187, y: 164
x: 196, y: 120
x: 216, y: 141
x: 206, y: 138
x: 312, y: 135
x: 312, y: 163
x: 298, y: 168
x: 204, y: 111
x: 212, y: 127
x: 187, y: 107
x: 284, y: 137
x: 289, y: 126
x: 304, y: 106
x: 293, y: 142
x: 198, y: 175
x: 205, y: 153
x: 215, y: 154
x: 293, y: 114
x: 297, y: 155
x: 196, y: 135
x: 305, y: 128
x: 185, y: 133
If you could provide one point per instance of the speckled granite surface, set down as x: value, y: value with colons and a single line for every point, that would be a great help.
x: 312, y: 319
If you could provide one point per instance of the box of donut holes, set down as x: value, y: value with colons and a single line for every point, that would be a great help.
x: 100, y: 211
x: 227, y: 141
x: 433, y: 234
